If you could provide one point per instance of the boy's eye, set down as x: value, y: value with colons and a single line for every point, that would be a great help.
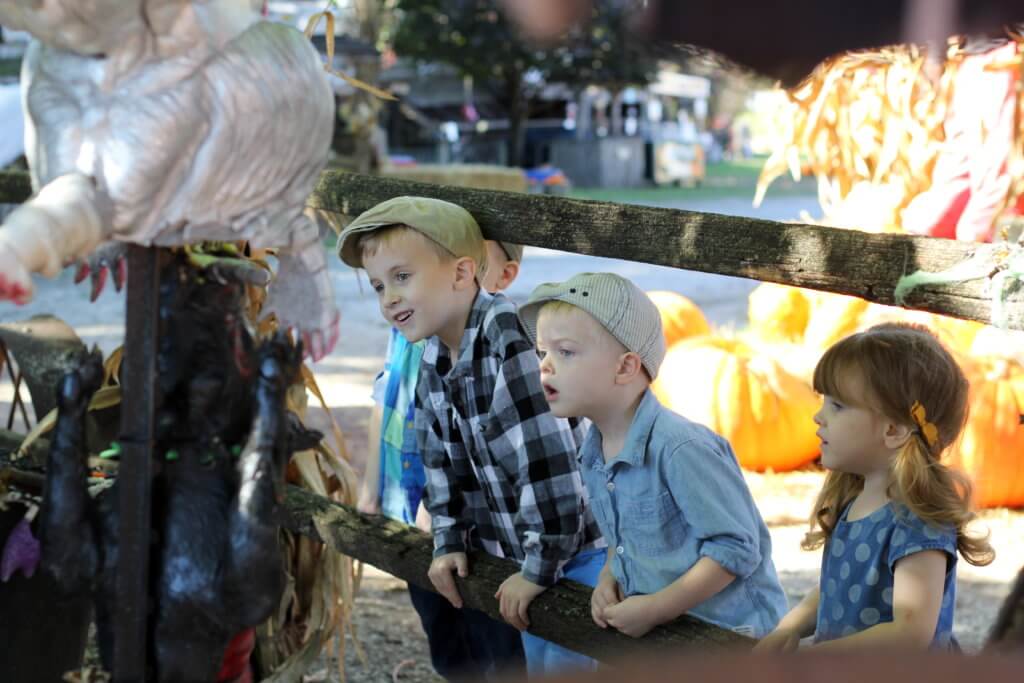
x: 541, y: 353
x: 837, y: 405
x: 402, y: 277
x: 565, y: 353
x: 377, y: 287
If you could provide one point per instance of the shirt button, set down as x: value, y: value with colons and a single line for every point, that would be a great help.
x: 610, y: 486
x: 406, y: 464
x: 620, y: 550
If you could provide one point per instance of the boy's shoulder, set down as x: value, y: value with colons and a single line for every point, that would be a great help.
x: 500, y: 324
x: 673, y: 433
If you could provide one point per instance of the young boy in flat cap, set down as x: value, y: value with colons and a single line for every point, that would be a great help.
x: 683, y: 532
x: 393, y: 484
x: 501, y: 472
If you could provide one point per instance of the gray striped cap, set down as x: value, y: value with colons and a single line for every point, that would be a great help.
x: 621, y: 307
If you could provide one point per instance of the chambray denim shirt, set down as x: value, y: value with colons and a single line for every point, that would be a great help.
x: 673, y: 495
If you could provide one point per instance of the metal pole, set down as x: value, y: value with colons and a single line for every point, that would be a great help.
x: 138, y: 386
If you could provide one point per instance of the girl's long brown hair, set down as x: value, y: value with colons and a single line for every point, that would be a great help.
x: 900, y: 365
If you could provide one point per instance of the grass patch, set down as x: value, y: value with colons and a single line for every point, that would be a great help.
x: 725, y: 180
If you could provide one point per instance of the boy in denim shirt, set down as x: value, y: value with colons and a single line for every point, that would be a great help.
x: 393, y: 485
x: 683, y: 531
x: 501, y: 471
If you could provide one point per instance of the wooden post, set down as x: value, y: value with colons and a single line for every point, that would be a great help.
x: 138, y: 409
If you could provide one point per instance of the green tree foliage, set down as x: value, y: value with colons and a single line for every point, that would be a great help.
x: 476, y: 38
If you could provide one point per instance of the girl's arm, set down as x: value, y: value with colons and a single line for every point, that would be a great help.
x: 369, y: 489
x: 918, y: 581
x: 798, y: 623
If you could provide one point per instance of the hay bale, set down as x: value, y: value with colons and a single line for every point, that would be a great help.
x: 479, y: 176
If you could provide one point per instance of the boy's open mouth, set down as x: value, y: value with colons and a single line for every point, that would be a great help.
x: 403, y: 318
x: 821, y: 438
x: 550, y: 392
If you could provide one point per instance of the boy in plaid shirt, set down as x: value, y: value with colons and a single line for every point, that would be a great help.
x: 393, y: 484
x: 501, y: 470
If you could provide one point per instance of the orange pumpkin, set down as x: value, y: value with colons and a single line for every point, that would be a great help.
x: 680, y: 317
x: 832, y: 317
x: 778, y: 312
x: 958, y: 335
x: 991, y: 449
x: 764, y: 412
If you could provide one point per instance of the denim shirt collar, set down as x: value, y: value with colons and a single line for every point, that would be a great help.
x: 634, y: 450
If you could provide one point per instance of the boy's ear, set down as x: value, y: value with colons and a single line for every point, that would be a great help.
x: 509, y: 272
x: 465, y: 272
x: 896, y: 435
x: 629, y: 368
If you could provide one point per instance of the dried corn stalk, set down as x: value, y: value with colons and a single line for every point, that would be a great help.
x: 871, y: 125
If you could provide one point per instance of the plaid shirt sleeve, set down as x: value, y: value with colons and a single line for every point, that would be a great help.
x: 542, y: 450
x: 442, y: 498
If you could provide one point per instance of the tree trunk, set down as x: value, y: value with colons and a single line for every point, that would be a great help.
x: 517, y: 111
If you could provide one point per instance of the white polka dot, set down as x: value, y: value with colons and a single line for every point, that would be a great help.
x: 855, y: 529
x: 900, y: 537
x: 837, y: 612
x: 880, y: 536
x: 863, y: 552
x: 872, y: 577
x: 869, y: 616
x: 914, y: 549
x: 830, y: 586
x: 887, y: 596
x: 854, y: 593
x: 838, y: 547
x: 844, y: 571
x: 931, y: 532
x: 849, y: 630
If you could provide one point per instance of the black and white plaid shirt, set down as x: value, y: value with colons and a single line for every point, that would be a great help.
x: 501, y: 469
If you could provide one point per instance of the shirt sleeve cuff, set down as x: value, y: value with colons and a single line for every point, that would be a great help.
x: 541, y: 572
x: 740, y: 562
x: 448, y: 541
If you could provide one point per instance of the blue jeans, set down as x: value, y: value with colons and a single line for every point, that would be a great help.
x: 466, y: 644
x: 544, y: 657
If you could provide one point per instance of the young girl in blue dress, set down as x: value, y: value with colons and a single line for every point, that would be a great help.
x: 891, y: 517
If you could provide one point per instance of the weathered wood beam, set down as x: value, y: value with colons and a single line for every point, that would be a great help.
x: 866, y: 265
x: 561, y: 614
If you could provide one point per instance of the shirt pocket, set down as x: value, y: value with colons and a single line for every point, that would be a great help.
x: 653, y: 524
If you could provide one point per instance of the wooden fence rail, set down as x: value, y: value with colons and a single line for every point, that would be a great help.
x: 866, y: 265
x: 561, y: 614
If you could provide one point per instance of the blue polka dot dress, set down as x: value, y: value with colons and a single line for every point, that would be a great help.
x: 857, y: 571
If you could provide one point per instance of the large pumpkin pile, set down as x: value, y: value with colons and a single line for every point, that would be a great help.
x: 764, y: 410
x: 901, y: 141
x: 753, y: 387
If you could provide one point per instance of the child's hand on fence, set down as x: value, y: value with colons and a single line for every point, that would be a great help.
x: 440, y: 574
x: 634, y: 616
x: 779, y: 640
x: 606, y: 593
x: 515, y: 595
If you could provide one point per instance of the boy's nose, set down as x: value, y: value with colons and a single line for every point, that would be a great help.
x: 818, y: 419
